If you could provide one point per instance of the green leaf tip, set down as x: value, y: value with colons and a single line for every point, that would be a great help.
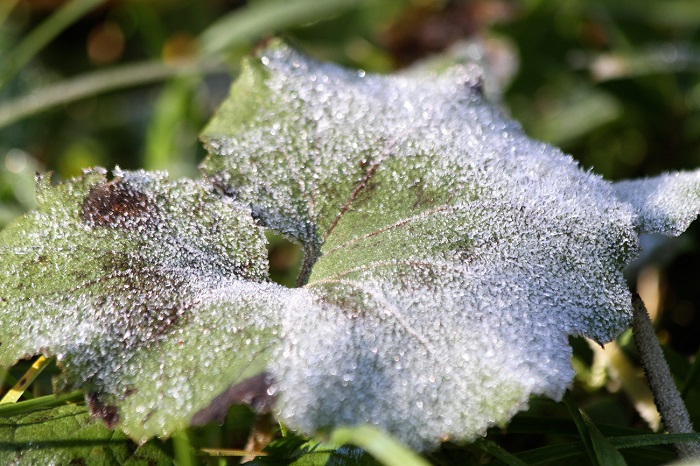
x: 665, y: 204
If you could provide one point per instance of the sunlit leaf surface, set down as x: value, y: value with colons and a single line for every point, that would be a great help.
x: 452, y: 256
x: 666, y: 203
x: 448, y: 260
x: 149, y: 292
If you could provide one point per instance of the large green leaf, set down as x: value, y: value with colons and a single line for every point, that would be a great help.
x: 452, y: 256
x: 448, y: 260
x: 149, y: 292
x: 69, y: 435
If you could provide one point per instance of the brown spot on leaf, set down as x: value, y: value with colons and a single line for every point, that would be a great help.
x: 118, y: 205
x: 252, y: 392
x: 108, y: 413
x: 130, y: 391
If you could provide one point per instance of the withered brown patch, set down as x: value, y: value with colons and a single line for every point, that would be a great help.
x: 108, y: 413
x: 117, y: 204
x: 252, y: 392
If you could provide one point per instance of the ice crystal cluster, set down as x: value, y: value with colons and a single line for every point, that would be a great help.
x: 448, y: 260
x: 665, y: 204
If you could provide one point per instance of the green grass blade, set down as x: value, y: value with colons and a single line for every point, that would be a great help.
x: 495, y: 450
x: 15, y: 393
x: 98, y: 82
x: 553, y: 454
x: 379, y: 444
x: 43, y: 34
x: 266, y: 17
x: 600, y: 451
x: 184, y: 453
x: 164, y: 149
x: 635, y: 441
x: 42, y: 402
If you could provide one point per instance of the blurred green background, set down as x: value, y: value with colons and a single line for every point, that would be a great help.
x: 132, y: 82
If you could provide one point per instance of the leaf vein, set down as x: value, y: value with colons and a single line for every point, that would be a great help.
x: 389, y: 308
x: 445, y: 209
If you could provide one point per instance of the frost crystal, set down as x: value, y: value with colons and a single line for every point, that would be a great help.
x: 455, y: 255
x: 665, y: 204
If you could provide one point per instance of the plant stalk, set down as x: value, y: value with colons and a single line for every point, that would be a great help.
x: 668, y: 400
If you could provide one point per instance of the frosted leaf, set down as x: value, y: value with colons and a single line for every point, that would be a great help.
x: 452, y: 256
x: 142, y: 288
x: 665, y: 204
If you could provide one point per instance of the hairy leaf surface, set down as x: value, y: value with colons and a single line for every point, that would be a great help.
x: 448, y: 260
x: 452, y: 256
x: 666, y: 203
x: 144, y: 289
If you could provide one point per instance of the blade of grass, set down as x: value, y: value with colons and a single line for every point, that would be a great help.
x: 15, y: 393
x: 634, y: 441
x: 9, y: 380
x: 226, y: 452
x: 495, y: 450
x: 553, y: 454
x: 42, y: 402
x: 98, y: 82
x: 43, y: 34
x: 377, y: 443
x: 184, y: 453
x: 261, y: 18
x: 600, y: 451
x: 163, y: 151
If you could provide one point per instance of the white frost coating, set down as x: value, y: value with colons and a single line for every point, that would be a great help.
x: 456, y: 254
x: 665, y: 204
x: 138, y: 285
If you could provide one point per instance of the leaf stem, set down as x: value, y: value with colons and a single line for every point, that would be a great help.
x: 668, y: 401
x: 311, y: 255
x: 15, y: 393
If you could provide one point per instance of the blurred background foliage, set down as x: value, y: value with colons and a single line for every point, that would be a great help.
x: 612, y: 82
